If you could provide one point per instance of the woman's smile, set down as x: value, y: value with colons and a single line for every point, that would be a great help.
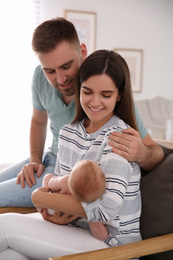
x: 94, y: 110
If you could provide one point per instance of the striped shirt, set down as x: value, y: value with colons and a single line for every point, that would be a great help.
x: 119, y: 208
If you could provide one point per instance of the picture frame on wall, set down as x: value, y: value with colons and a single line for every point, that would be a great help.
x: 134, y: 59
x: 85, y: 24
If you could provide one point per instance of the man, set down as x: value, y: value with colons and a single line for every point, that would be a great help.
x: 60, y: 54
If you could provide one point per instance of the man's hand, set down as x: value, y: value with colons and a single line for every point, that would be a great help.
x: 58, y: 217
x: 27, y: 174
x: 127, y: 144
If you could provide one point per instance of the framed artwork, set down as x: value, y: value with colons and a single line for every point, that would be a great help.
x: 134, y: 59
x: 85, y: 24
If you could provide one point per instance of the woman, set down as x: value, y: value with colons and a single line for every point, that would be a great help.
x: 102, y: 98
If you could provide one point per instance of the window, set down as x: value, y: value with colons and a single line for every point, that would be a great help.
x: 18, y: 19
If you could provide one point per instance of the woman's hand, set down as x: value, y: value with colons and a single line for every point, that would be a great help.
x: 41, y: 198
x: 58, y: 217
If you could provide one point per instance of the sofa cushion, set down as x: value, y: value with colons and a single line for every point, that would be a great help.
x: 157, y: 203
x: 166, y: 150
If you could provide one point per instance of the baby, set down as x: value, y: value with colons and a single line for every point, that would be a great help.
x: 86, y: 183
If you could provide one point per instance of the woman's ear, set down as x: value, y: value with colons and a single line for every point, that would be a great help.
x: 119, y: 98
x: 83, y: 50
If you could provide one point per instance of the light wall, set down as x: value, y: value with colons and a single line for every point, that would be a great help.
x: 136, y: 24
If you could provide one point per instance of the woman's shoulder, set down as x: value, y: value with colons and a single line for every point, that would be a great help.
x: 115, y: 123
x: 72, y: 128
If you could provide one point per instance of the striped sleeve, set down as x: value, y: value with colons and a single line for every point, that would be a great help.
x: 118, y: 173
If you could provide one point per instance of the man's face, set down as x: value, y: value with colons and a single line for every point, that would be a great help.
x: 61, y: 67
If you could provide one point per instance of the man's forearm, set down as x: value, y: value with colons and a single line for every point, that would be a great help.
x: 152, y: 156
x: 37, y: 142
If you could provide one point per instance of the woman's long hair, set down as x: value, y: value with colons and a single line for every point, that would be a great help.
x: 112, y: 64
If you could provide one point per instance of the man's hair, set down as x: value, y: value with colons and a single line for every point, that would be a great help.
x: 52, y: 32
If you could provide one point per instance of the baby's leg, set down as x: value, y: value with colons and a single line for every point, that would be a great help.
x: 46, y: 179
x: 98, y: 230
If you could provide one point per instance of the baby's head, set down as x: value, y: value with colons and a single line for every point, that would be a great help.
x: 87, y: 181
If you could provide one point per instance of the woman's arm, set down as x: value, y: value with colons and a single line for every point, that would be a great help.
x: 60, y: 202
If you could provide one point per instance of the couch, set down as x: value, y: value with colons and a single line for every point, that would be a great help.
x: 157, y: 201
x: 156, y: 217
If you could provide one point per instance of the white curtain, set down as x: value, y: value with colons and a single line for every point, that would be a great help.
x: 18, y: 19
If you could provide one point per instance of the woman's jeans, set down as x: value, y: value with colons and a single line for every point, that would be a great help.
x: 12, y: 194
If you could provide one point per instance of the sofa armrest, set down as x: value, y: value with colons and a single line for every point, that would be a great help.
x: 128, y: 251
x: 22, y: 210
x: 165, y: 143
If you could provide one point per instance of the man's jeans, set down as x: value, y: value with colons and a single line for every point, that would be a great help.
x: 12, y: 194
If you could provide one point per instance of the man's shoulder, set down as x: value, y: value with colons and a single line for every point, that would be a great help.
x: 38, y: 73
x: 40, y: 81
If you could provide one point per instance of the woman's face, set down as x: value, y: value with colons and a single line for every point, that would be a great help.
x: 98, y: 98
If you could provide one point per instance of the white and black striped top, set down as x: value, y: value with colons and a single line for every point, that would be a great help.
x: 120, y: 206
